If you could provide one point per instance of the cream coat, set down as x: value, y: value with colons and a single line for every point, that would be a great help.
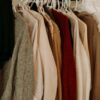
x: 49, y: 69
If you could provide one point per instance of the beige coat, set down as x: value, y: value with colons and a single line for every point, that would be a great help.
x: 49, y: 68
x: 55, y: 42
x: 40, y: 41
x: 94, y: 48
x: 87, y: 73
x: 84, y: 35
x: 33, y: 26
x: 18, y: 75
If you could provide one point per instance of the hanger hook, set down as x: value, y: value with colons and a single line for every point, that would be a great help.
x: 58, y: 4
x: 69, y: 4
x: 62, y: 4
x: 76, y: 5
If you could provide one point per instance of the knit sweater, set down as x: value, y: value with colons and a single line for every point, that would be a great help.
x: 18, y: 72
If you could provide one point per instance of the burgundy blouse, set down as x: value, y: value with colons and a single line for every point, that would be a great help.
x: 68, y: 68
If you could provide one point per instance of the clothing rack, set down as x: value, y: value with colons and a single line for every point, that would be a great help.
x: 52, y: 50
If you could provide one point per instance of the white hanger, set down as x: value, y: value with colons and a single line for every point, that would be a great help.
x: 62, y: 4
x: 25, y: 1
x: 65, y: 5
x: 54, y: 2
x: 33, y: 1
x: 51, y: 4
x: 48, y: 2
x: 45, y: 1
x: 76, y: 5
x: 68, y: 3
x: 41, y: 9
x: 58, y: 4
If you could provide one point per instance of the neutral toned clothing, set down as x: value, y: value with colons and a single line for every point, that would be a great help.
x: 55, y: 42
x: 58, y: 58
x: 68, y: 68
x: 33, y: 26
x: 82, y: 60
x: 18, y: 72
x: 85, y: 67
x: 48, y: 63
x: 94, y: 47
x: 97, y: 19
x: 84, y: 36
x: 92, y: 29
x: 95, y: 95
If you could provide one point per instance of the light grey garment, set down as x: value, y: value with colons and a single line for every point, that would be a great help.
x: 18, y: 72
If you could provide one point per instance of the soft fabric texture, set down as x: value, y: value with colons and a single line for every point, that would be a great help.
x: 48, y: 63
x: 33, y: 27
x: 81, y: 59
x: 55, y: 43
x: 84, y: 36
x: 18, y: 72
x: 87, y: 82
x: 92, y: 29
x: 6, y: 31
x: 85, y: 61
x: 68, y: 69
x: 94, y: 48
x: 97, y: 19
